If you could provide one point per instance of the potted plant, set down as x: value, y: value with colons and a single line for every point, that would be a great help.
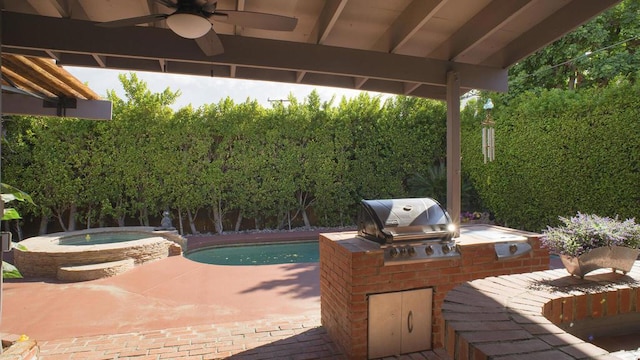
x: 589, y: 242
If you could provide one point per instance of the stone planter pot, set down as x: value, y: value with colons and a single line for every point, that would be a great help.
x: 615, y: 257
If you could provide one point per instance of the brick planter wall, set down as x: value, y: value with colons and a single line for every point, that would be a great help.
x: 352, y: 268
x: 523, y: 316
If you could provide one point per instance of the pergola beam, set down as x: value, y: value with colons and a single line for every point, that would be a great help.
x: 407, y: 24
x: 478, y: 28
x: 570, y: 16
x: 120, y: 46
x: 327, y: 20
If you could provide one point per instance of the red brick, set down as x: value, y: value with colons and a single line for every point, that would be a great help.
x: 624, y: 301
x: 555, y: 307
x: 567, y: 309
x: 612, y: 303
x: 450, y: 340
x: 463, y: 348
x: 404, y: 276
x: 477, y: 354
x: 582, y: 309
x: 597, y: 302
x: 363, y: 262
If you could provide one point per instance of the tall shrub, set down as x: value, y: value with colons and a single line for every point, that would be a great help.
x: 557, y: 153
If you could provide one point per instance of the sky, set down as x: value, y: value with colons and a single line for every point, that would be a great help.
x: 201, y: 90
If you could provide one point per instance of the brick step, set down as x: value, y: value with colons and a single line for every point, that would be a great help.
x: 94, y: 271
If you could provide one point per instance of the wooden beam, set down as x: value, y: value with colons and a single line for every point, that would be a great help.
x: 327, y: 20
x: 35, y: 74
x: 414, y: 16
x: 359, y: 81
x: 121, y: 43
x: 66, y: 78
x: 300, y: 76
x: 17, y: 104
x: 569, y: 17
x: 454, y: 163
x: 25, y: 84
x: 481, y: 26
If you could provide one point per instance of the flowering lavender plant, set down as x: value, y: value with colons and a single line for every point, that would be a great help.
x: 581, y: 233
x: 467, y: 216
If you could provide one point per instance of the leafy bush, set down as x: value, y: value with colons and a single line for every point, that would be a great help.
x: 558, y: 152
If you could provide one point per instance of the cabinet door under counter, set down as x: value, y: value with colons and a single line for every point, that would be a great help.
x: 399, y: 322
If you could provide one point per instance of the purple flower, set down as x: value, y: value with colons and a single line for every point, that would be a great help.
x: 581, y: 233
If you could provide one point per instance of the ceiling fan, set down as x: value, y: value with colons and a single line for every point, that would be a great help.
x: 192, y: 20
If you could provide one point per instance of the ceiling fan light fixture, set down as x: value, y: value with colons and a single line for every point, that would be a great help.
x: 190, y: 26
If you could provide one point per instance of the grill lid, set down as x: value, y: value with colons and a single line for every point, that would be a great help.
x: 392, y: 220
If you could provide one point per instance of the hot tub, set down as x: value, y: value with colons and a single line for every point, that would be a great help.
x: 43, y: 256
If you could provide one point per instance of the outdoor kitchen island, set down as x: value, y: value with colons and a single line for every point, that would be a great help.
x: 360, y: 282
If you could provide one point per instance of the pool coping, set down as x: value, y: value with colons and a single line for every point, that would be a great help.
x: 200, y: 241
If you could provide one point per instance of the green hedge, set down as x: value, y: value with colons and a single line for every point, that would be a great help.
x: 559, y: 152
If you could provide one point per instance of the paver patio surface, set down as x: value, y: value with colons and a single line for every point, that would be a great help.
x: 177, y: 309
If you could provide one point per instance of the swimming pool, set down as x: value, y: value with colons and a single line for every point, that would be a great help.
x: 258, y: 254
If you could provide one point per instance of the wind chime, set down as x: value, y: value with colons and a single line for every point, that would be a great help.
x: 488, y: 134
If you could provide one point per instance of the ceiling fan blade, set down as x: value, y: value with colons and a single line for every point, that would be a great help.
x: 256, y: 20
x: 168, y: 3
x: 210, y: 43
x: 133, y: 21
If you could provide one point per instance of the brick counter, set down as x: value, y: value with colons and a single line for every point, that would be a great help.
x: 352, y: 268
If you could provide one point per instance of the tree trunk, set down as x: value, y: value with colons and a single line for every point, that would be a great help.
x: 44, y: 221
x: 238, y: 222
x: 217, y: 219
x: 303, y: 210
x: 192, y: 221
x: 18, y: 229
x: 60, y: 221
x: 89, y: 218
x: 73, y: 209
x: 305, y: 217
x: 121, y: 221
x: 144, y: 217
x: 180, y: 221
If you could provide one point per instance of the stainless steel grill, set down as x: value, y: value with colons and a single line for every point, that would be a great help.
x: 409, y: 230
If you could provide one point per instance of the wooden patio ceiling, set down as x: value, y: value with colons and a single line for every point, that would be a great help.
x: 392, y: 46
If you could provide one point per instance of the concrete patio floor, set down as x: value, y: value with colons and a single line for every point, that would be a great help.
x: 177, y: 309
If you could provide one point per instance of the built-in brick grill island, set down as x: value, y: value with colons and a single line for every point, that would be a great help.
x: 382, y: 287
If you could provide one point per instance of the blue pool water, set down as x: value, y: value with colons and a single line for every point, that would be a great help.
x: 258, y: 254
x: 102, y: 238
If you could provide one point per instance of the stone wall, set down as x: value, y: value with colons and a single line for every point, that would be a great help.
x: 43, y: 256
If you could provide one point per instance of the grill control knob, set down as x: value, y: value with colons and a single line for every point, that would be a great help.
x: 411, y: 250
x: 428, y: 250
x: 513, y: 248
x: 403, y: 251
x: 393, y: 252
x: 445, y: 248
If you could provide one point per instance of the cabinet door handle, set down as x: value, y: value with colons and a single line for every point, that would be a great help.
x: 410, y: 322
